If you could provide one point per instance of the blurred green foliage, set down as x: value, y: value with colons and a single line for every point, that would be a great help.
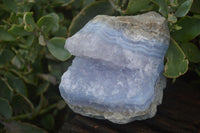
x: 33, y: 58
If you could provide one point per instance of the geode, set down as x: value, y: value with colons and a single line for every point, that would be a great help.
x: 117, y: 72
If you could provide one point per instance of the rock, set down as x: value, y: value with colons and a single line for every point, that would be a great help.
x: 117, y: 71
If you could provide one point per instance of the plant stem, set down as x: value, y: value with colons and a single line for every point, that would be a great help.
x: 29, y: 115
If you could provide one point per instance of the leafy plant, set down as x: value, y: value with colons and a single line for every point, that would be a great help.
x: 32, y: 37
x: 33, y: 58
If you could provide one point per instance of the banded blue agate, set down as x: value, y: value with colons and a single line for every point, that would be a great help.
x: 117, y: 72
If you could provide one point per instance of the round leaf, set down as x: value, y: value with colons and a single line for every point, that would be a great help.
x: 56, y: 48
x: 177, y: 64
x: 29, y: 22
x: 41, y: 40
x: 171, y: 18
x: 5, y: 92
x: 11, y: 4
x: 29, y: 41
x: 195, y: 6
x: 21, y: 104
x: 87, y: 13
x: 61, y: 32
x: 190, y: 29
x: 56, y: 21
x: 48, y: 77
x: 133, y: 6
x: 191, y: 51
x: 18, y: 30
x: 48, y: 121
x: 163, y: 9
x: 46, y: 23
x: 42, y: 88
x: 5, y: 57
x: 5, y: 110
x: 61, y: 104
x: 16, y: 61
x: 184, y: 8
x: 87, y: 2
x: 5, y: 36
x: 16, y: 84
x: 19, y: 127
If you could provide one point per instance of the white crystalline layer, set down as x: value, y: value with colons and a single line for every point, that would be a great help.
x: 118, y: 50
x: 117, y: 74
x: 93, y: 89
x: 111, y: 39
x: 106, y: 86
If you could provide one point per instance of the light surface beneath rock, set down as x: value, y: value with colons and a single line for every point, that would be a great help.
x: 118, y: 72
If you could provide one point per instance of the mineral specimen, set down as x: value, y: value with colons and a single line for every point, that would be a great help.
x: 117, y: 71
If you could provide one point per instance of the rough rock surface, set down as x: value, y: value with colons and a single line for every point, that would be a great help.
x: 117, y: 74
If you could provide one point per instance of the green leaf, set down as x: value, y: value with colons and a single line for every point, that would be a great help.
x: 190, y: 29
x: 21, y: 104
x: 16, y: 83
x: 16, y: 62
x: 11, y: 4
x: 48, y: 121
x: 174, y: 3
x: 29, y: 21
x: 56, y: 48
x: 56, y: 21
x: 87, y: 2
x: 184, y: 8
x: 61, y: 32
x: 57, y: 69
x: 13, y: 18
x: 18, y: 30
x: 56, y: 73
x: 26, y: 5
x: 6, y: 110
x: 177, y: 64
x: 68, y: 3
x: 195, y: 6
x: 41, y: 40
x: 163, y: 7
x: 5, y: 36
x: 42, y: 88
x: 133, y: 6
x: 87, y: 13
x: 75, y: 4
x: 29, y: 79
x: 171, y: 18
x: 5, y: 92
x: 176, y: 27
x: 46, y: 23
x: 191, y: 51
x: 21, y: 127
x: 48, y: 78
x: 29, y: 40
x: 61, y: 104
x: 5, y: 57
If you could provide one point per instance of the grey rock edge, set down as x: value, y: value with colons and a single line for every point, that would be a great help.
x: 117, y: 72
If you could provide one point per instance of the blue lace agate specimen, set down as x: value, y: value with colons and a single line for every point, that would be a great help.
x: 117, y: 72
